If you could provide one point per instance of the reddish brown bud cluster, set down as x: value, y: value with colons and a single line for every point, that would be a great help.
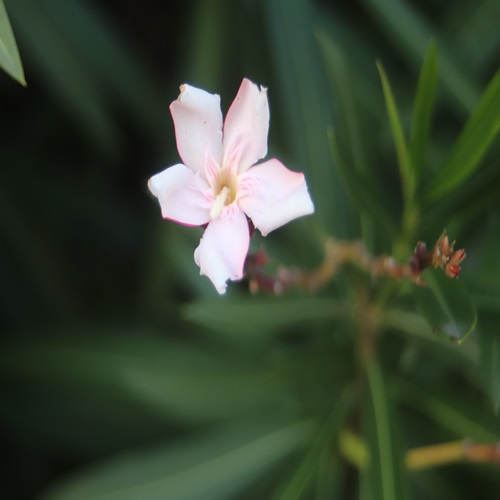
x: 442, y: 255
x: 445, y: 257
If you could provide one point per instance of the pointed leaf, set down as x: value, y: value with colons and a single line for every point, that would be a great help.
x: 169, y: 378
x: 457, y: 412
x: 410, y: 33
x: 215, y: 466
x: 423, y: 108
x: 446, y: 305
x: 407, y: 175
x: 361, y: 193
x: 9, y: 55
x: 296, y: 486
x: 472, y: 144
x: 384, y: 477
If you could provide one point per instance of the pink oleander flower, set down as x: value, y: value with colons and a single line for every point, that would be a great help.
x: 219, y: 182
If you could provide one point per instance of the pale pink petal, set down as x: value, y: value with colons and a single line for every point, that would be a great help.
x: 198, y: 127
x: 183, y: 195
x: 246, y: 127
x: 223, y: 249
x: 274, y: 195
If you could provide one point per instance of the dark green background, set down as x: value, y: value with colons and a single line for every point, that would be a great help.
x: 119, y: 362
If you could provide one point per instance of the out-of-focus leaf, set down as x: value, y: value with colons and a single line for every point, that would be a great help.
x: 472, y: 27
x: 405, y: 167
x: 476, y: 196
x: 489, y: 342
x: 423, y: 108
x: 297, y: 485
x: 446, y: 305
x: 343, y: 87
x: 110, y: 59
x: 359, y: 51
x: 206, y: 40
x: 450, y: 410
x: 9, y: 55
x: 261, y: 315
x: 384, y: 477
x: 305, y: 95
x: 50, y: 287
x: 411, y: 35
x: 472, y: 144
x: 417, y: 329
x: 359, y: 177
x: 216, y: 466
x: 360, y: 191
x: 171, y: 379
x: 67, y: 77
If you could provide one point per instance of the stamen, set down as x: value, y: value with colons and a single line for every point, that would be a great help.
x: 221, y: 200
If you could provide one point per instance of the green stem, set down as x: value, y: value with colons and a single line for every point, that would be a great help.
x: 355, y: 451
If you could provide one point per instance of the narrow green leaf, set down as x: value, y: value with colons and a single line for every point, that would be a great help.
x: 355, y: 163
x: 344, y: 88
x: 211, y: 467
x: 416, y: 329
x: 9, y: 55
x: 296, y: 486
x: 472, y: 144
x: 261, y: 315
x: 456, y: 412
x: 410, y: 34
x: 446, y: 305
x: 407, y: 175
x: 304, y: 92
x: 385, y: 477
x: 170, y: 379
x: 423, y: 108
x: 361, y: 193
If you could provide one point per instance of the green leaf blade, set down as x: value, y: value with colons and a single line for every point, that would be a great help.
x: 303, y: 88
x: 385, y: 476
x: 423, y: 108
x: 223, y: 462
x: 297, y: 487
x: 472, y: 144
x: 365, y: 199
x: 407, y: 175
x: 447, y: 306
x: 262, y: 315
x: 10, y: 60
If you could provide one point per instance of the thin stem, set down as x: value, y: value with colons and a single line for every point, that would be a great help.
x: 355, y: 451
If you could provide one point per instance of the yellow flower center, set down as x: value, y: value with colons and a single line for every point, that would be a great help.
x: 225, y: 190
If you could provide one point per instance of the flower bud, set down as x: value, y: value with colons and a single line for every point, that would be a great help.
x: 444, y: 245
x: 420, y: 258
x: 451, y: 270
x: 457, y: 257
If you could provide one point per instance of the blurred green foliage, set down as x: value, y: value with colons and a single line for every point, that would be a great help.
x: 124, y: 375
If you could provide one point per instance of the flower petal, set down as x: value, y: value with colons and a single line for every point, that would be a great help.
x: 223, y: 249
x: 198, y: 127
x: 182, y: 195
x: 246, y: 127
x: 275, y: 196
